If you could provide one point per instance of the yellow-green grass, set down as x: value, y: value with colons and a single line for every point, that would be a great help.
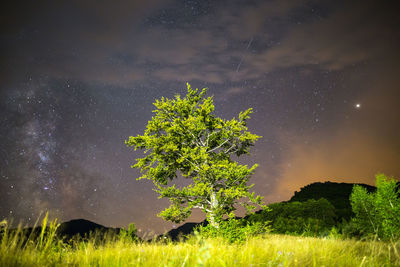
x: 267, y: 250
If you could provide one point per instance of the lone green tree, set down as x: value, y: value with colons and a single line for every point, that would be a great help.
x: 185, y: 137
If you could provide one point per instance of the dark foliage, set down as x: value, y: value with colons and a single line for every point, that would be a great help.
x: 83, y: 228
x: 312, y: 217
x: 337, y: 194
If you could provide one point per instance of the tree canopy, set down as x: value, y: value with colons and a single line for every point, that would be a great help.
x: 186, y: 138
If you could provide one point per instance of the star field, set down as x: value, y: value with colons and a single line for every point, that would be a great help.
x: 78, y: 78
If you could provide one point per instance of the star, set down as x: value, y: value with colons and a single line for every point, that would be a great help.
x: 358, y: 106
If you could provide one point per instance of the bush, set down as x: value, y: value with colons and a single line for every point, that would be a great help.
x: 129, y: 235
x: 234, y: 230
x: 377, y: 214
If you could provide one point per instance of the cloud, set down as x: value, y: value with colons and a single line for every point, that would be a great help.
x: 99, y: 46
x: 183, y: 74
x: 346, y: 37
x: 244, y: 22
x: 73, y: 40
x: 364, y: 37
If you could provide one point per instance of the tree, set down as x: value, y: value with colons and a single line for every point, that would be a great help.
x: 377, y: 213
x: 185, y: 138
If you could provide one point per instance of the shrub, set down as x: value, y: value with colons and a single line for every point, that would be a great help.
x: 130, y: 234
x: 377, y: 214
x: 234, y: 230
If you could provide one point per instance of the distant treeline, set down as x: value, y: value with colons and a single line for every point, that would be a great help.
x: 318, y: 209
x: 313, y: 211
x: 337, y: 194
x: 351, y: 210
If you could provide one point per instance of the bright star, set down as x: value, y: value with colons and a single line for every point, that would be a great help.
x: 358, y: 105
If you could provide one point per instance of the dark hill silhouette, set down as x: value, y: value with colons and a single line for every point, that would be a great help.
x: 83, y: 228
x: 181, y: 231
x: 184, y: 230
x: 79, y: 228
x: 337, y: 194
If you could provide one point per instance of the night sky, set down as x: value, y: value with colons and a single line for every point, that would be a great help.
x: 79, y: 77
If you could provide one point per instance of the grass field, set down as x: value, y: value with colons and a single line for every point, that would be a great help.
x: 266, y: 250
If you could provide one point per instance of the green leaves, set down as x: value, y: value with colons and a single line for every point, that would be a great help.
x: 377, y: 213
x: 175, y: 213
x: 185, y: 138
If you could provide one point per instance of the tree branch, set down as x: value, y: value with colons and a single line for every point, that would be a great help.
x: 220, y: 145
x: 194, y: 165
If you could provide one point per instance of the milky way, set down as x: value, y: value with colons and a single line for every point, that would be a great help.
x: 79, y: 77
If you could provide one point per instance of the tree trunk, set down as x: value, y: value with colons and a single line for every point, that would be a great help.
x: 214, y: 206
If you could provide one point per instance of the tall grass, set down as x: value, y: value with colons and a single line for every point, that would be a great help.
x: 45, y: 249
